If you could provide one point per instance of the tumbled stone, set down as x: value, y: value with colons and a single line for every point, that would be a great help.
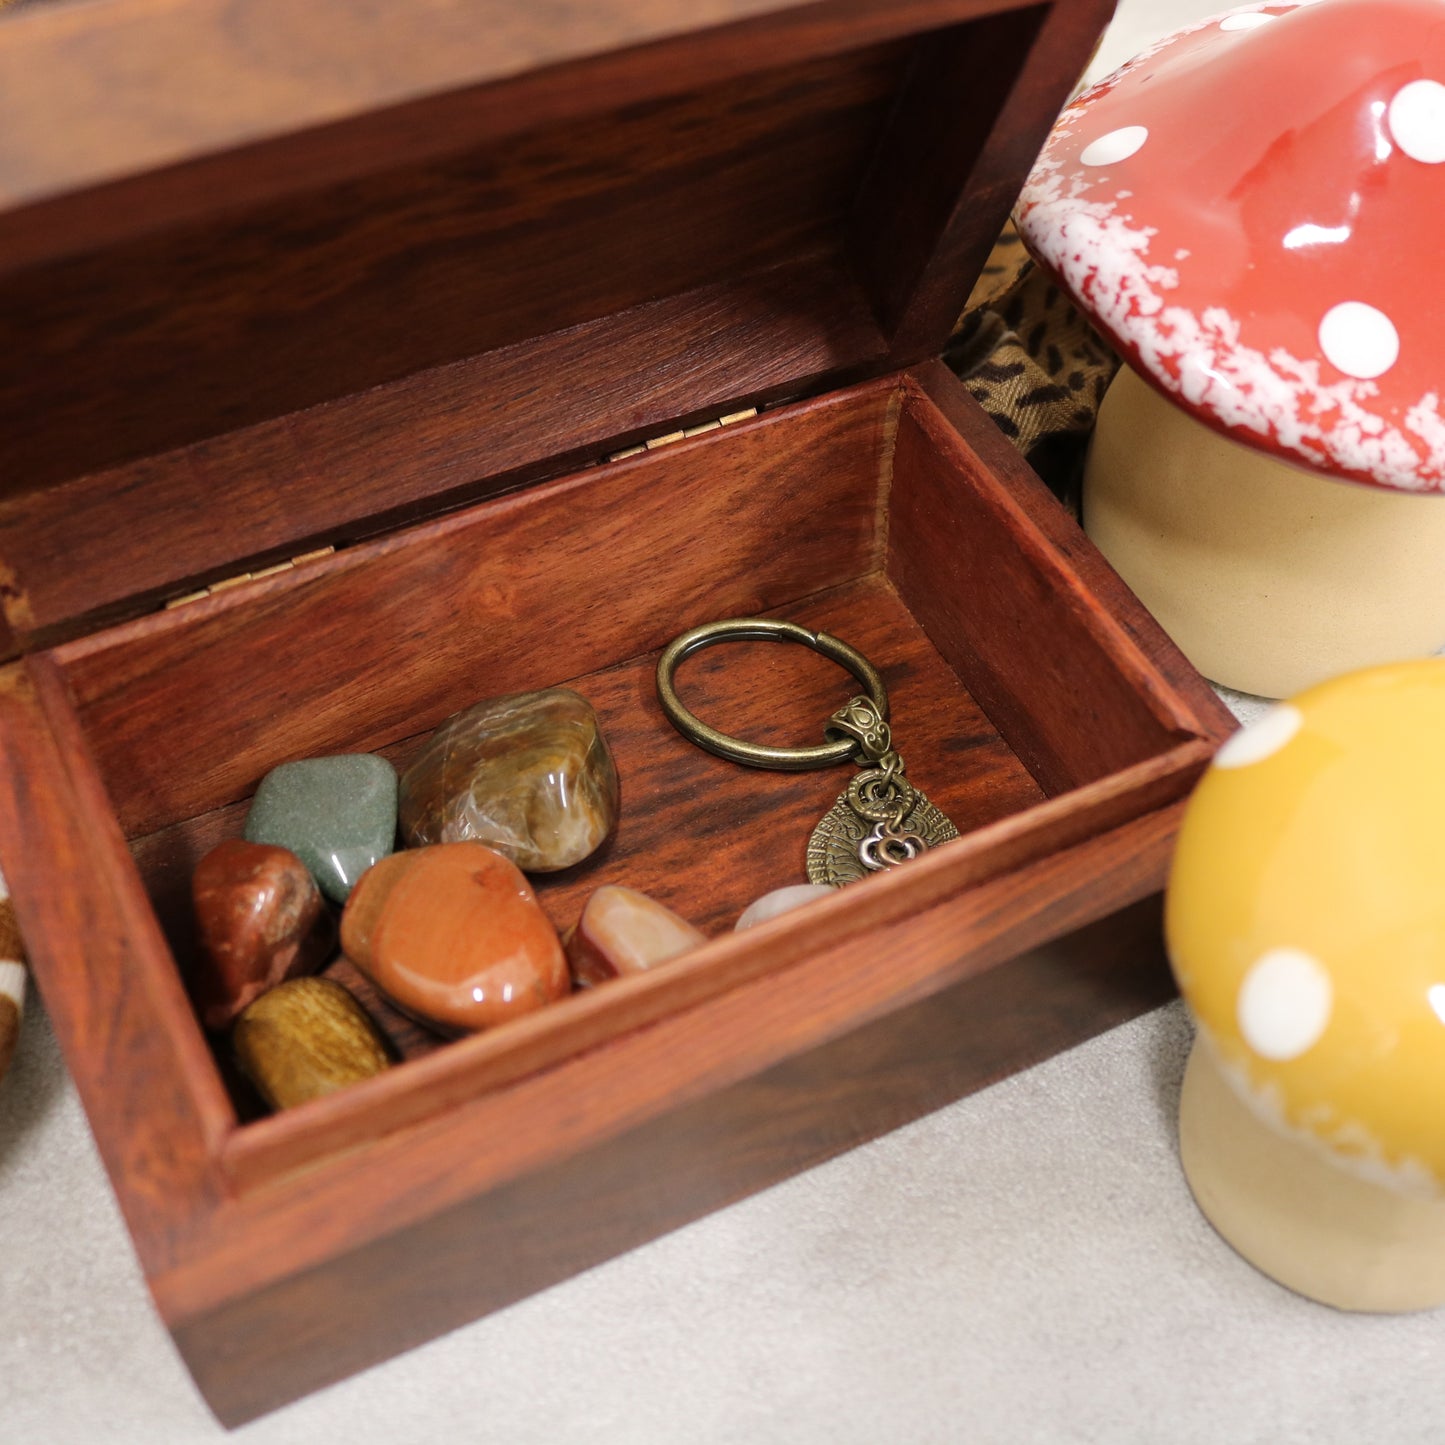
x: 338, y: 815
x: 454, y: 936
x: 622, y: 931
x: 529, y: 774
x: 260, y: 920
x: 780, y: 901
x: 306, y: 1038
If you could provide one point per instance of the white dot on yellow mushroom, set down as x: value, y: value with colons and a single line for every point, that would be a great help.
x: 1284, y: 1003
x: 1436, y: 996
x: 1417, y: 120
x: 1116, y: 145
x: 1261, y: 739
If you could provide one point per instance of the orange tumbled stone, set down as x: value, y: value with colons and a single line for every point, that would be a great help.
x: 453, y: 935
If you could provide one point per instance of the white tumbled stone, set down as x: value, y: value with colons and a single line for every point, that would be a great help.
x: 781, y: 900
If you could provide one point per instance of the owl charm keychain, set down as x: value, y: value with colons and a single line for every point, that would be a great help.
x: 880, y: 820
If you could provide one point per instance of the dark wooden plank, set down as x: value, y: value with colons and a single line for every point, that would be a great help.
x: 130, y: 1039
x: 384, y: 640
x: 188, y: 333
x: 720, y: 1101
x: 968, y: 127
x: 151, y: 110
x: 450, y: 435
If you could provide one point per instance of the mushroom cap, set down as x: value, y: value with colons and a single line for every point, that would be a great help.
x: 1249, y: 212
x: 1305, y: 919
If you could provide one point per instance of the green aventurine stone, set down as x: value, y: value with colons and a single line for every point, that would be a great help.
x: 338, y: 815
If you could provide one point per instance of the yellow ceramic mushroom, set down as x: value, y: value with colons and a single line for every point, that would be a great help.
x: 1306, y: 926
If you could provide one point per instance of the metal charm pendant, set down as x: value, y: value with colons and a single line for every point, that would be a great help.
x: 848, y: 844
x: 882, y: 820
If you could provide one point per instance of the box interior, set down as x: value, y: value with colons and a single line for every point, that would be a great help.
x: 864, y: 514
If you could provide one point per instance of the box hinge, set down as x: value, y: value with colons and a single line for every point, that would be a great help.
x: 227, y: 583
x: 667, y: 439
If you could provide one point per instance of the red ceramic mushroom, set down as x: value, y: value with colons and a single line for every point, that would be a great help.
x: 1249, y: 212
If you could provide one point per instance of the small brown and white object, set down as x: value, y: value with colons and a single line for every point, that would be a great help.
x: 12, y: 980
x: 621, y: 932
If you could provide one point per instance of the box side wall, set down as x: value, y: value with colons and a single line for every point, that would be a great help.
x: 188, y: 710
x: 263, y: 1349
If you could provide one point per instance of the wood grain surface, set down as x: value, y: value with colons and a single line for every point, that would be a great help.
x: 384, y: 640
x: 385, y: 317
x: 153, y: 110
x: 357, y: 466
x: 186, y: 334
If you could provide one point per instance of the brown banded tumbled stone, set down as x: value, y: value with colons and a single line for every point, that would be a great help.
x: 622, y: 931
x: 260, y: 920
x: 306, y: 1038
x: 454, y: 936
x: 529, y: 774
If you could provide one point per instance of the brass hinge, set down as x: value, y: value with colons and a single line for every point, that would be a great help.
x: 667, y: 439
x: 227, y: 583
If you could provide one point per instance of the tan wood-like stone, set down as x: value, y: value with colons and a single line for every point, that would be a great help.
x: 529, y: 774
x: 305, y: 1039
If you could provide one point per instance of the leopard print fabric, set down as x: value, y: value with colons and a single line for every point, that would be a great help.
x: 1033, y: 363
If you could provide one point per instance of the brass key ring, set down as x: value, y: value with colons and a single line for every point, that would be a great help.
x: 881, y: 820
x: 763, y: 629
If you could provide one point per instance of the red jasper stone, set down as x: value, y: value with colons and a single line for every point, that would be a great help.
x: 454, y: 936
x: 260, y: 920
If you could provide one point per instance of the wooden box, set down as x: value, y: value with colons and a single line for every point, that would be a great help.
x: 387, y: 290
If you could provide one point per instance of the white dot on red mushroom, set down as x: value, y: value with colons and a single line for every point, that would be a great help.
x: 1417, y: 120
x: 1359, y: 340
x: 1245, y: 22
x: 1284, y: 1003
x: 1116, y: 145
x: 1261, y: 739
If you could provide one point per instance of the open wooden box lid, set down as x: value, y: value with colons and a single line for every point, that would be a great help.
x: 275, y: 277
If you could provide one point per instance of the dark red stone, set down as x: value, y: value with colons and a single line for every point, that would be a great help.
x: 260, y: 919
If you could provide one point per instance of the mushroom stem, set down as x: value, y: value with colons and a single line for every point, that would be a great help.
x: 1269, y: 578
x: 1321, y: 1231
